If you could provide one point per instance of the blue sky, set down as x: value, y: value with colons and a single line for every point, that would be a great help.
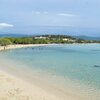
x: 23, y: 15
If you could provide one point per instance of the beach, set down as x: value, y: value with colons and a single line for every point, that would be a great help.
x: 49, y: 50
x: 15, y: 88
x: 20, y: 46
x: 12, y: 88
x: 25, y: 76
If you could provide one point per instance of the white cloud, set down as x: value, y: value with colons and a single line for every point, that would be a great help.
x: 38, y: 12
x: 5, y: 25
x: 53, y: 14
x: 66, y: 14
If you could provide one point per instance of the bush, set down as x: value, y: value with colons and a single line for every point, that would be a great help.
x: 5, y: 42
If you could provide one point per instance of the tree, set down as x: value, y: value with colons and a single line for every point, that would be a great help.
x: 5, y: 42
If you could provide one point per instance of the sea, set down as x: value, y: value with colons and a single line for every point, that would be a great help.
x: 73, y: 68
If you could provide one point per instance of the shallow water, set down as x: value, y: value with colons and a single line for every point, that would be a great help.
x: 75, y: 66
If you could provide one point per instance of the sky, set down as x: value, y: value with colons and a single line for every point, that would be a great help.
x: 20, y: 16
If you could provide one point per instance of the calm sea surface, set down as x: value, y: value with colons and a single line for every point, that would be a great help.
x: 78, y: 65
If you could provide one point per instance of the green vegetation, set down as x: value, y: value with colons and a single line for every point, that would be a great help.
x: 5, y: 42
x: 44, y: 39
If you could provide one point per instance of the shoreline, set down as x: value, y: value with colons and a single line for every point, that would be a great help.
x: 15, y: 46
x: 16, y: 87
x: 13, y: 88
x: 21, y: 46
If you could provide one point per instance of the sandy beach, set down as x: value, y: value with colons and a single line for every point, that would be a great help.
x: 20, y: 46
x: 15, y: 88
x: 12, y: 88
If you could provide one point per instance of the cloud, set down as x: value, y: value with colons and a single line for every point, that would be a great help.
x: 38, y: 12
x: 5, y: 25
x: 66, y: 14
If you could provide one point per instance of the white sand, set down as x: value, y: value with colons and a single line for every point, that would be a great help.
x: 20, y: 46
x: 14, y: 88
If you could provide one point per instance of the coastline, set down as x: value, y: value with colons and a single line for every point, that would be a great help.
x: 13, y: 88
x: 16, y: 88
x: 15, y: 46
x: 21, y: 46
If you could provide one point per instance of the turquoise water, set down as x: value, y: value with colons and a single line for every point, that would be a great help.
x: 79, y: 63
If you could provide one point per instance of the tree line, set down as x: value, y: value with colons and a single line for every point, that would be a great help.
x: 49, y: 39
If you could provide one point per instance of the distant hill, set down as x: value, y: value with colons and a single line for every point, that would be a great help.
x: 87, y: 37
x: 27, y: 35
x: 15, y: 35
